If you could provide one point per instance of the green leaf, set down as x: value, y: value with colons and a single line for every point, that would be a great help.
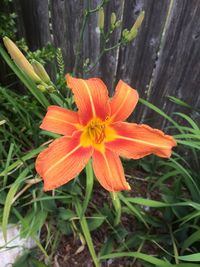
x: 32, y: 223
x: 25, y: 226
x: 191, y: 239
x: 179, y: 102
x: 148, y: 202
x: 26, y: 260
x: 8, y: 162
x: 86, y: 232
x: 36, y: 263
x: 188, y: 119
x: 107, y: 247
x: 159, y: 111
x: 22, y: 261
x: 66, y: 214
x: 9, y: 199
x: 186, y: 265
x: 95, y: 222
x: 133, y: 209
x: 191, y: 257
x: 89, y: 186
x: 138, y: 255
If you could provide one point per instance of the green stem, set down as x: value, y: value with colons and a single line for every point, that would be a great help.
x: 174, y: 245
x: 89, y: 186
x: 113, y: 47
x: 103, y: 2
x: 96, y: 62
x: 117, y: 205
x: 104, y: 50
x: 86, y: 232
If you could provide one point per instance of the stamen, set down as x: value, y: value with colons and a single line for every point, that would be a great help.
x: 96, y: 131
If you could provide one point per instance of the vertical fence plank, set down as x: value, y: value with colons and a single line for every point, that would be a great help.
x: 137, y: 59
x: 178, y: 68
x: 35, y: 15
x: 91, y: 41
x: 66, y: 23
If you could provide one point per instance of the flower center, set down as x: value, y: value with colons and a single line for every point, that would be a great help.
x: 96, y: 133
x: 96, y: 130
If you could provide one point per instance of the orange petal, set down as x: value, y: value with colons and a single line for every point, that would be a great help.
x: 60, y: 120
x: 91, y: 98
x: 123, y: 102
x: 136, y: 141
x: 109, y: 171
x: 63, y: 160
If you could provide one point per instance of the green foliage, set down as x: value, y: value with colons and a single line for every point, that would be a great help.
x: 7, y: 22
x: 27, y: 260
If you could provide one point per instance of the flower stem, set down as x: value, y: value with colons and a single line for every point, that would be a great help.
x: 86, y: 232
x: 117, y: 205
x: 89, y: 186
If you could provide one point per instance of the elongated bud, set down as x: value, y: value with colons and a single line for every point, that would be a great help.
x: 101, y: 19
x: 139, y: 20
x: 20, y: 59
x: 134, y: 30
x: 113, y: 20
x: 131, y: 35
x: 40, y: 71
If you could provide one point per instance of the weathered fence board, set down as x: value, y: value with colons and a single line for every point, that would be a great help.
x: 163, y: 60
x: 178, y: 67
x: 66, y: 19
x: 91, y: 41
x: 137, y: 60
x: 36, y: 22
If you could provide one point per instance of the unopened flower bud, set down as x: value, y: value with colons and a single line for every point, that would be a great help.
x: 118, y: 23
x: 113, y: 20
x: 131, y: 35
x: 135, y: 27
x: 87, y: 61
x: 20, y: 59
x: 125, y: 33
x: 41, y: 87
x: 139, y: 20
x: 40, y: 71
x: 101, y: 19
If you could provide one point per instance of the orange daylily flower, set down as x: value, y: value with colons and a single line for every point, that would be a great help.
x: 97, y: 130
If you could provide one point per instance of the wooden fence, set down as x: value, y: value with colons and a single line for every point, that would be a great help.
x: 163, y: 60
